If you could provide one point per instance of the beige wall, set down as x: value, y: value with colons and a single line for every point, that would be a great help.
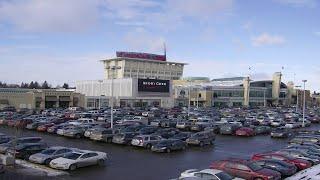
x: 28, y: 98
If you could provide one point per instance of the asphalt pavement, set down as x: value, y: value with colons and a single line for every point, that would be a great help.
x: 130, y: 163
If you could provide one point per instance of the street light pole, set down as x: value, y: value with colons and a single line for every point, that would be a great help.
x: 264, y: 98
x: 112, y: 68
x: 189, y: 94
x: 304, y: 102
x: 100, y: 81
x: 297, y: 93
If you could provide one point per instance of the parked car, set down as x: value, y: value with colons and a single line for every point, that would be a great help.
x: 286, y: 169
x: 184, y: 125
x: 281, y: 133
x: 79, y: 159
x: 124, y: 138
x: 148, y: 130
x: 301, y: 140
x: 182, y: 136
x: 146, y: 141
x: 5, y: 139
x: 213, y: 174
x: 15, y: 142
x: 300, y: 163
x: 24, y: 151
x: 47, y: 155
x: 245, y: 131
x: 201, y: 138
x: 229, y: 129
x: 75, y: 132
x: 44, y: 127
x: 262, y: 130
x: 245, y: 169
x: 105, y: 135
x: 301, y: 155
x: 169, y: 145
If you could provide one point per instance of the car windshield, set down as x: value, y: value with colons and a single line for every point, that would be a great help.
x: 254, y: 166
x: 224, y: 176
x: 48, y: 151
x: 72, y: 156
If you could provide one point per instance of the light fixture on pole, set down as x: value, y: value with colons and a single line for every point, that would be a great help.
x: 297, y: 93
x: 304, y: 102
x: 113, y: 69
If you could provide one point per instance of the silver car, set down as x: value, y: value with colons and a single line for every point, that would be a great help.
x: 146, y: 141
x: 46, y: 156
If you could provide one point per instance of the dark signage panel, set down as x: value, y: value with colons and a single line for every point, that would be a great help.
x: 141, y: 55
x: 153, y: 85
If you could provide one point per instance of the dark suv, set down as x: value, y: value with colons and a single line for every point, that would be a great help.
x: 201, y: 138
x: 245, y: 169
x: 24, y: 151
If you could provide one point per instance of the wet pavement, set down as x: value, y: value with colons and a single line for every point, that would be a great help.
x: 136, y: 163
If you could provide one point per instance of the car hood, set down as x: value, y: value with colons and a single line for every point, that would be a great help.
x: 62, y: 160
x: 39, y: 156
x: 267, y: 172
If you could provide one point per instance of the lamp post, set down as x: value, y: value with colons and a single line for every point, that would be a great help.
x: 112, y: 68
x: 264, y: 98
x: 100, y: 93
x: 189, y: 98
x: 304, y: 102
x: 297, y: 92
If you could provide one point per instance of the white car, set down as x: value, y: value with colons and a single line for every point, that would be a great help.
x: 310, y: 173
x: 79, y: 159
x: 206, y: 174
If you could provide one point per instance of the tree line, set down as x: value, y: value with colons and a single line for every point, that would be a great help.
x: 33, y: 85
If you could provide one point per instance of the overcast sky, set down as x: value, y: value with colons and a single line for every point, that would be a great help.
x: 63, y: 40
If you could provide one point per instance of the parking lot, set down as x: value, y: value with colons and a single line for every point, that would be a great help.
x: 135, y: 163
x: 240, y: 133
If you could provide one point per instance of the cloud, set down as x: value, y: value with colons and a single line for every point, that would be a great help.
x: 142, y: 40
x: 267, y: 39
x: 247, y: 25
x: 50, y: 15
x: 298, y: 3
x: 317, y: 33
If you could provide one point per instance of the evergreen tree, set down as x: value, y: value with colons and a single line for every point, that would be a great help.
x: 65, y: 86
x: 45, y: 85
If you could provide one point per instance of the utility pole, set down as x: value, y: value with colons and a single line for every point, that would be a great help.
x: 112, y: 68
x: 297, y: 93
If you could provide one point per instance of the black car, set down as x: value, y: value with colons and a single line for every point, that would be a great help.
x: 281, y: 133
x: 24, y: 151
x: 201, y: 138
x: 286, y: 169
x: 167, y: 132
x: 5, y: 139
x: 169, y: 145
x: 262, y: 129
x: 182, y: 136
x: 147, y: 130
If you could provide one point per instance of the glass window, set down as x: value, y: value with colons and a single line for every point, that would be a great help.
x: 242, y: 167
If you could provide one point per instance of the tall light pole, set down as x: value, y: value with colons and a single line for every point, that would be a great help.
x: 297, y: 93
x: 264, y: 98
x: 189, y: 98
x: 100, y: 82
x: 304, y: 102
x: 112, y: 68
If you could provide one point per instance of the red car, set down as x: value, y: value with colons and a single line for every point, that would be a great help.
x: 245, y: 169
x: 300, y: 163
x: 245, y: 131
x: 44, y: 127
x: 11, y: 122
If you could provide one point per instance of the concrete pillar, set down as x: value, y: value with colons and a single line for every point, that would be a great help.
x: 290, y: 93
x: 57, y: 102
x: 246, y: 91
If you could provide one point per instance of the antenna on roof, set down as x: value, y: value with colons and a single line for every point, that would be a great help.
x: 165, y: 50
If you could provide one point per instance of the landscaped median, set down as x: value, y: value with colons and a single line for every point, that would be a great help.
x: 24, y: 167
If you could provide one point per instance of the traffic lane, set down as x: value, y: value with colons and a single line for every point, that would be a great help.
x: 136, y: 163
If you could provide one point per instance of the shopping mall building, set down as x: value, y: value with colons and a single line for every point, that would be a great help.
x: 233, y: 92
x: 133, y: 79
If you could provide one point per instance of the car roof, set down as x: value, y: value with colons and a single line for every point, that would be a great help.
x: 211, y: 171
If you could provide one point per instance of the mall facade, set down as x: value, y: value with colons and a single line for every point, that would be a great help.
x: 133, y: 79
x: 233, y: 92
